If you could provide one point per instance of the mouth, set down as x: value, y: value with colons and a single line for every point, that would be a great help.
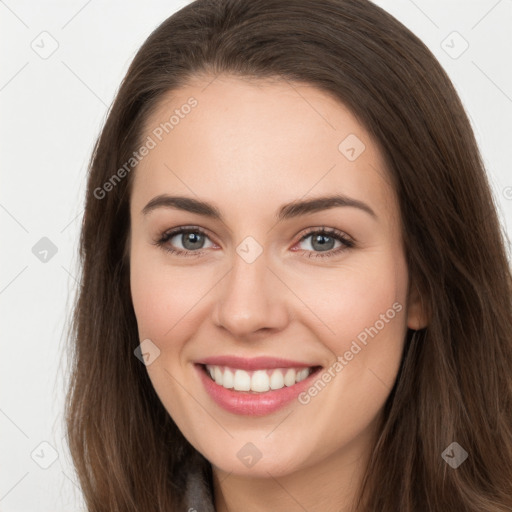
x: 261, y: 387
x: 258, y: 381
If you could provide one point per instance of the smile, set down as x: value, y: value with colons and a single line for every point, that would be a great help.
x: 254, y: 387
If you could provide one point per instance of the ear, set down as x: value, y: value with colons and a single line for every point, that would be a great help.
x: 416, y: 311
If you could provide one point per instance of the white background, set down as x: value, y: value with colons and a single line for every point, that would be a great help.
x: 52, y: 111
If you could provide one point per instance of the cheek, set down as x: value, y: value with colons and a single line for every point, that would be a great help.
x: 358, y: 301
x: 164, y: 298
x: 365, y: 308
x: 363, y: 313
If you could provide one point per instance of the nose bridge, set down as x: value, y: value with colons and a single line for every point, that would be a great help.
x: 251, y: 297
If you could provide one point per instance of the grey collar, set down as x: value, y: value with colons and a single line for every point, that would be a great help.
x: 199, y: 487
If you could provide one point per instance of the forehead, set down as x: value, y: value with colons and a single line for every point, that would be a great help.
x: 258, y: 141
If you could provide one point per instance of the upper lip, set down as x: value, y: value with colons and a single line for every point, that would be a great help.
x: 255, y: 363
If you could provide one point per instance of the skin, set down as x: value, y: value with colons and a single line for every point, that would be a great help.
x: 249, y: 147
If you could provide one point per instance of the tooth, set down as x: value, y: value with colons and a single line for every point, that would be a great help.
x: 218, y: 375
x: 277, y: 380
x: 289, y: 378
x: 228, y: 380
x: 242, y: 381
x: 260, y: 381
x: 302, y: 374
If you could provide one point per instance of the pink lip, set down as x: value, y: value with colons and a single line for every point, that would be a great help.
x: 253, y: 404
x: 256, y: 363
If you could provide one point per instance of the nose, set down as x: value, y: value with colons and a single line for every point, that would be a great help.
x: 251, y: 300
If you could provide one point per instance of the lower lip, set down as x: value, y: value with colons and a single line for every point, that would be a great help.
x: 253, y: 404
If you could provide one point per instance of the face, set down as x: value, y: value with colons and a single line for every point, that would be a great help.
x: 297, y: 306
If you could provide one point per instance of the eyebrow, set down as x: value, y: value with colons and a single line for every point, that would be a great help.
x: 286, y: 211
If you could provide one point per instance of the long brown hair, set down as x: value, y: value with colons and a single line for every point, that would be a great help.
x: 455, y: 380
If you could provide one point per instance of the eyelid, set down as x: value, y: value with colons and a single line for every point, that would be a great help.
x: 324, y: 229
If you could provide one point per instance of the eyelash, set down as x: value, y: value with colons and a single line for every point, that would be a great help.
x: 346, y: 242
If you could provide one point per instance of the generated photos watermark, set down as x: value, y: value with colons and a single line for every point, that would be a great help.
x: 150, y: 143
x: 343, y: 360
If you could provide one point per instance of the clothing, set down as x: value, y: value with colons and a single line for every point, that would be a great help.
x: 199, y: 486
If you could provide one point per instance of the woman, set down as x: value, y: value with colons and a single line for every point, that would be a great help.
x: 295, y: 291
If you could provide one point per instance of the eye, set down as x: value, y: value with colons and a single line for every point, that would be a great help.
x: 192, y: 239
x: 324, y: 239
